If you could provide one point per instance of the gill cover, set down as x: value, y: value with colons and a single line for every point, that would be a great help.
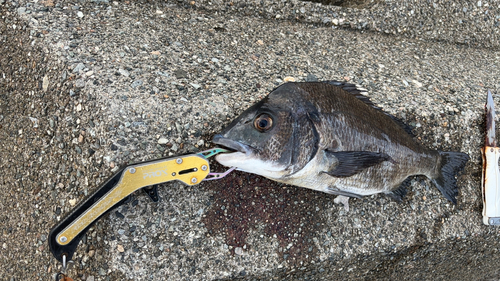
x: 279, y: 130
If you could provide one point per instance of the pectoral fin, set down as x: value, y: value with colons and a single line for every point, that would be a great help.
x: 349, y: 163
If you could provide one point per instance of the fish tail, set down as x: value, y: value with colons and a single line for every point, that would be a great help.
x: 451, y: 164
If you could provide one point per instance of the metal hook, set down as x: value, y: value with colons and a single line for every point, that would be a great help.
x: 62, y: 277
x: 64, y: 262
x: 59, y: 276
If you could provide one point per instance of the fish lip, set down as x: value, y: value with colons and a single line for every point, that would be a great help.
x: 233, y: 145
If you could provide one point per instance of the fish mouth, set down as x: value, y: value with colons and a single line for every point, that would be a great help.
x: 232, y: 145
x: 246, y: 158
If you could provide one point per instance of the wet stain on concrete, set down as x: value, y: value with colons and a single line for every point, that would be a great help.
x: 242, y: 202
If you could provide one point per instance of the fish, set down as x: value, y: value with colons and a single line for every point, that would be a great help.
x: 328, y: 136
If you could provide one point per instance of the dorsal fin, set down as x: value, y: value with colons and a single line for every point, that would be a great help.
x: 358, y: 92
x: 354, y: 90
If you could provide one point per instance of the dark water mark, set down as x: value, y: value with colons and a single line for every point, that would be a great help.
x: 242, y: 202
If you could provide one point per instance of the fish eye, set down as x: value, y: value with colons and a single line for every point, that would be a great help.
x: 263, y: 122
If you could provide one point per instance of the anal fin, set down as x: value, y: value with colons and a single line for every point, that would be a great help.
x: 400, y: 192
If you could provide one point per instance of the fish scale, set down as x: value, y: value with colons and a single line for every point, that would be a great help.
x: 329, y: 137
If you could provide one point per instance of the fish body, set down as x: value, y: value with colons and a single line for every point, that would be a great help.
x: 329, y: 137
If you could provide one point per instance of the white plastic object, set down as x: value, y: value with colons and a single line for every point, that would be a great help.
x: 491, y: 185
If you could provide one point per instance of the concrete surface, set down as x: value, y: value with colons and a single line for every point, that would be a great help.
x: 87, y: 86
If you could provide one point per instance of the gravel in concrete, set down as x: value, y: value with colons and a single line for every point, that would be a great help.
x: 88, y: 86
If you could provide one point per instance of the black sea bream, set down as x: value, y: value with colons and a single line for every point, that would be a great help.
x: 328, y: 137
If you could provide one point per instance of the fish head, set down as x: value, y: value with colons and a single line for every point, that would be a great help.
x: 265, y: 138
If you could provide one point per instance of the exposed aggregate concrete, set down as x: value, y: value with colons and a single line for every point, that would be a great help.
x: 88, y: 86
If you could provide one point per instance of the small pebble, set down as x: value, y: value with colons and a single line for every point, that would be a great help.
x: 136, y: 83
x: 34, y: 121
x: 179, y: 74
x: 79, y: 67
x: 196, y: 86
x: 417, y: 84
x: 80, y: 83
x: 45, y: 83
x: 311, y: 78
x: 238, y: 251
x: 21, y: 10
x: 102, y: 272
x: 120, y: 248
x: 124, y: 72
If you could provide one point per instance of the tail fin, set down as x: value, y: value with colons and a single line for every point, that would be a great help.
x: 451, y: 164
